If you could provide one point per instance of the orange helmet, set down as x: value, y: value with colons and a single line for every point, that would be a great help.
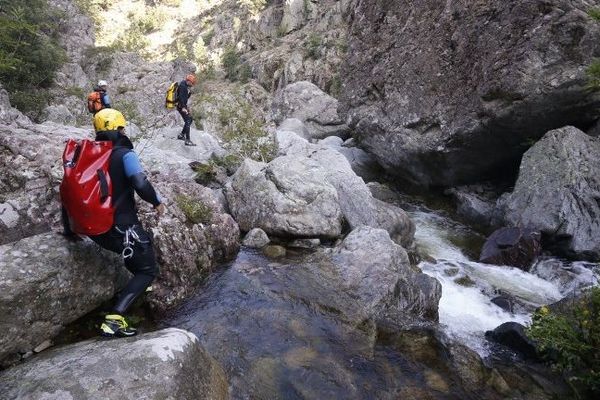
x: 191, y: 78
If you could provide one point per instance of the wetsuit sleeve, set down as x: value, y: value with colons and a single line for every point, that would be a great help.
x: 137, y: 177
x: 106, y: 100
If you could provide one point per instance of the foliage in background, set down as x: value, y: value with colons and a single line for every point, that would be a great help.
x: 130, y: 111
x: 594, y: 13
x: 571, y: 342
x: 312, y: 46
x: 252, y: 6
x: 195, y: 210
x: 593, y: 70
x: 244, y: 133
x: 593, y: 74
x: 230, y: 61
x: 29, y: 52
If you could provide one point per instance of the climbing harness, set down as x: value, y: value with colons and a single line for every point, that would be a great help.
x: 130, y: 237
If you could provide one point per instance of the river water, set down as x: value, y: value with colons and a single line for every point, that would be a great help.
x: 275, y: 327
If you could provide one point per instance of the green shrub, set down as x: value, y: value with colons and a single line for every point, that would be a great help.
x: 130, y: 111
x: 594, y: 13
x: 312, y: 45
x: 244, y: 73
x: 207, y: 37
x: 593, y: 74
x: 230, y: 59
x: 205, y: 172
x: 244, y: 134
x: 30, y: 102
x: 252, y: 6
x: 571, y: 341
x: 75, y: 91
x: 335, y: 86
x: 29, y: 50
x: 195, y: 210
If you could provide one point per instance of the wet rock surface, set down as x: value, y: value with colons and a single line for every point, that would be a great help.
x: 167, y: 364
x: 517, y: 247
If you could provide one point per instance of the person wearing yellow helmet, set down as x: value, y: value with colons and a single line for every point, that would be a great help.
x: 127, y: 236
x: 183, y: 95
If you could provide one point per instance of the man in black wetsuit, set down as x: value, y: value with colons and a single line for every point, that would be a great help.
x: 127, y: 236
x: 183, y: 95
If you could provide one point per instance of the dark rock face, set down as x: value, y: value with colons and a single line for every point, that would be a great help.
x: 558, y: 192
x: 445, y: 93
x: 512, y: 246
x: 512, y: 335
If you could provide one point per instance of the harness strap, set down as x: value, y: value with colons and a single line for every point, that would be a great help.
x: 130, y: 238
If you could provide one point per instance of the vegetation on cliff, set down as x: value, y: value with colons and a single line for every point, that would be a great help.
x: 29, y: 52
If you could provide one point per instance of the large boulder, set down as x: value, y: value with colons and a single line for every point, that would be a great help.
x: 8, y: 114
x: 285, y: 198
x: 309, y: 191
x: 377, y: 273
x: 445, y: 93
x: 46, y: 283
x: 31, y: 170
x: 517, y: 247
x: 558, y: 189
x: 167, y: 364
x: 190, y: 240
x: 306, y: 102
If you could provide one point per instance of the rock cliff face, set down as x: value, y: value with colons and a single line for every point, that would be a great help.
x: 449, y: 92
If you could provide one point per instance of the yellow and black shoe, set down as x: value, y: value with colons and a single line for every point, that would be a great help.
x: 114, y: 325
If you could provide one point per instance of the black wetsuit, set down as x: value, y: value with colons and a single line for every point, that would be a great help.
x: 183, y: 95
x: 142, y: 264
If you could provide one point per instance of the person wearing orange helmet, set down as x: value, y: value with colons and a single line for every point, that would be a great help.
x: 183, y: 95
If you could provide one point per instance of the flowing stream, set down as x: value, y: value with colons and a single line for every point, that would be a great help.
x: 275, y: 327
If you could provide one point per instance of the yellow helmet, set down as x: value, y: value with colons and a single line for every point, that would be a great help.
x: 108, y: 119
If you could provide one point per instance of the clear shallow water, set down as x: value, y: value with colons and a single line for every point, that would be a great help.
x: 275, y: 328
x: 281, y: 332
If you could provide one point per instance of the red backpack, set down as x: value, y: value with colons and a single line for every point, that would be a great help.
x: 94, y: 102
x: 86, y: 189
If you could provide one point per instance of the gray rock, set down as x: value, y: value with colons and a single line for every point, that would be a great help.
x: 46, y: 283
x: 167, y: 364
x: 256, y: 238
x: 334, y: 142
x: 59, y: 114
x: 472, y: 207
x: 29, y: 177
x: 284, y: 198
x: 274, y: 251
x: 188, y: 245
x: 380, y: 276
x: 362, y: 163
x: 595, y: 129
x: 308, y: 192
x: 570, y: 277
x: 447, y: 93
x: 305, y: 243
x: 513, y: 336
x: 517, y: 247
x: 296, y: 126
x: 8, y: 114
x: 309, y: 104
x: 557, y: 190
